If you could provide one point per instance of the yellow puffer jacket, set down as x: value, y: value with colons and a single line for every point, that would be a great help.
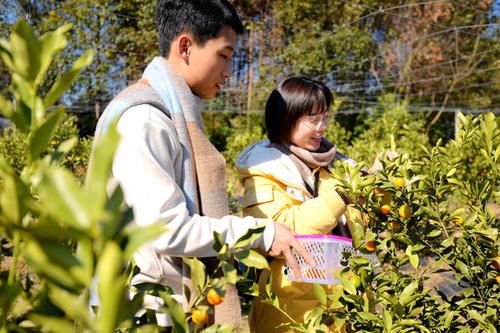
x: 274, y: 189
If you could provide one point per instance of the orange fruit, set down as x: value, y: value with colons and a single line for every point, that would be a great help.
x: 385, y: 209
x: 395, y: 225
x: 498, y: 278
x: 199, y: 317
x: 213, y: 297
x: 370, y: 246
x: 405, y: 211
x: 458, y: 220
x: 399, y: 182
x: 496, y: 263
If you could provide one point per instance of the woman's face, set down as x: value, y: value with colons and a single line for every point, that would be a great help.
x: 309, y: 130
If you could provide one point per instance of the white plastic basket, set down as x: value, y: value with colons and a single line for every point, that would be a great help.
x: 326, y: 251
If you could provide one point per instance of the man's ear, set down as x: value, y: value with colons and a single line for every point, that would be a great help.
x: 184, y: 47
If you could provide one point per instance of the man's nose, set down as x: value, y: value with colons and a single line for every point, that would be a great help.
x: 228, y: 70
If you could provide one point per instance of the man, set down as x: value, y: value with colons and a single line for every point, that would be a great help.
x: 167, y: 168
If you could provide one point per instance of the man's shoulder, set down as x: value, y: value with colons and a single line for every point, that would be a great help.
x: 145, y: 119
x: 146, y: 113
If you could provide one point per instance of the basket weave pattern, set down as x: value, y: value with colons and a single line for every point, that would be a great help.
x: 327, y: 254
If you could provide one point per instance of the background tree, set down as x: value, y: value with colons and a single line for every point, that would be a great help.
x: 436, y: 56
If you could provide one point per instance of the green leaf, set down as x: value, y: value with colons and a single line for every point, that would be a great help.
x: 25, y: 50
x: 348, y: 285
x: 100, y: 168
x: 68, y: 78
x: 24, y: 112
x: 198, y: 273
x: 62, y: 198
x: 224, y: 253
x: 451, y: 172
x: 387, y: 318
x: 114, y: 220
x: 14, y: 195
x: 414, y: 260
x: 462, y: 267
x: 359, y: 233
x: 62, y: 256
x: 175, y: 312
x: 85, y: 257
x: 218, y: 243
x: 111, y: 286
x: 416, y: 179
x: 476, y: 316
x: 449, y: 317
x: 6, y: 107
x: 138, y: 236
x: 432, y: 234
x: 339, y: 322
x: 39, y: 261
x: 252, y: 258
x: 368, y: 316
x: 6, y: 53
x: 53, y: 324
x: 63, y: 148
x: 320, y: 293
x: 50, y: 43
x: 230, y: 273
x: 40, y: 136
x: 9, y: 293
x: 251, y: 235
x: 408, y: 291
x: 72, y: 305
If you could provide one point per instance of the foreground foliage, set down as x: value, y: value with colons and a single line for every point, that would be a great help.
x: 65, y: 236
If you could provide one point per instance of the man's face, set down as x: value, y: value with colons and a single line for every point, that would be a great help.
x: 210, y: 64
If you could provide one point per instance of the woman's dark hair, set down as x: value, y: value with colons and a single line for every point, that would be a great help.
x: 294, y: 97
x: 202, y: 19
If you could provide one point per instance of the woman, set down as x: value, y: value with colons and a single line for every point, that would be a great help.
x: 286, y: 178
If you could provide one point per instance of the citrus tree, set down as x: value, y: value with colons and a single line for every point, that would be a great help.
x: 417, y: 225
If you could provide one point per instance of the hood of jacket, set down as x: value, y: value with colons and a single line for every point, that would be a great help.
x: 262, y: 159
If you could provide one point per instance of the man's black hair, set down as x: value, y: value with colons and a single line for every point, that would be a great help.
x: 202, y: 19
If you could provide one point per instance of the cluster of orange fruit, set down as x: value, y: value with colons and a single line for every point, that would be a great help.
x: 199, y: 316
x: 404, y: 211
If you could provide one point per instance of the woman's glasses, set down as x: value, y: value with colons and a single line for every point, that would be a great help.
x: 315, y: 120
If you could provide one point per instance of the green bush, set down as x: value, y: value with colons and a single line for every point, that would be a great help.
x: 391, y: 124
x: 13, y: 147
x: 338, y: 135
